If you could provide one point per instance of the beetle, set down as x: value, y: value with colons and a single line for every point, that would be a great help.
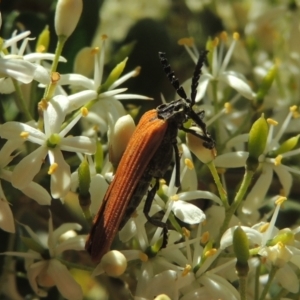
x: 148, y: 155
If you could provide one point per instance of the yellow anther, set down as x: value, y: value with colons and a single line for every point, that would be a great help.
x: 95, y: 50
x: 280, y: 200
x: 174, y: 197
x: 52, y: 168
x: 221, y: 171
x: 40, y: 49
x: 186, y: 232
x: 186, y: 270
x: 236, y: 36
x: 143, y: 257
x: 293, y: 108
x: 272, y: 122
x: 277, y: 160
x: 186, y: 42
x: 24, y: 135
x: 137, y: 71
x: 162, y: 181
x: 210, y: 252
x: 215, y: 42
x: 223, y: 36
x: 84, y: 111
x: 189, y: 163
x: 104, y: 37
x: 204, y: 237
x: 264, y: 227
x: 281, y: 245
x: 228, y: 107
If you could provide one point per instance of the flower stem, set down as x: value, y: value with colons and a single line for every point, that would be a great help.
x: 268, y: 285
x: 222, y: 192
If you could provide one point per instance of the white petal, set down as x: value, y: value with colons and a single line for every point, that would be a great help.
x: 78, y: 144
x: 288, y: 279
x: 7, y: 222
x: 37, y: 56
x: 12, y: 130
x: 98, y: 189
x: 26, y: 255
x: 6, y: 151
x: 238, y: 84
x: 33, y: 272
x: 202, y: 86
x: 128, y: 231
x: 231, y: 160
x: 76, y: 80
x: 61, y: 178
x: 65, y: 283
x: 36, y: 192
x: 28, y: 167
x: 80, y: 99
x: 76, y: 243
x: 285, y: 178
x: 65, y: 228
x: 18, y: 69
x: 257, y: 194
x: 192, y: 195
x: 41, y: 75
x: 187, y: 212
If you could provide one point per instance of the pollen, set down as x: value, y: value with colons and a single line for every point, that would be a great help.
x: 186, y: 232
x: 204, y: 237
x: 210, y: 252
x: 280, y: 200
x: 143, y: 257
x: 52, y: 168
x: 189, y: 163
x: 55, y: 76
x: 84, y: 111
x: 236, y: 36
x: 272, y: 122
x: 277, y: 160
x: 24, y: 135
x: 186, y: 42
x: 264, y: 227
x: 293, y: 108
x: 228, y: 108
x: 186, y: 270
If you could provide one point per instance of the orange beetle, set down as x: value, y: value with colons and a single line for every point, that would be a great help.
x: 148, y: 155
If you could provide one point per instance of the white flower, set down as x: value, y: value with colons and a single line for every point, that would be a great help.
x: 46, y: 272
x: 51, y: 142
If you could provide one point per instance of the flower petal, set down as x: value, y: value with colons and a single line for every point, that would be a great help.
x: 6, y: 217
x: 36, y: 192
x: 78, y: 144
x: 187, y: 212
x: 231, y: 160
x: 33, y: 272
x: 65, y: 283
x: 28, y: 167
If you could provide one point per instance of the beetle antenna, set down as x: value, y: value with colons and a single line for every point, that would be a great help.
x: 196, y: 75
x: 171, y: 75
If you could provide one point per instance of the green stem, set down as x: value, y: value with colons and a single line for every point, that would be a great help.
x: 268, y: 285
x: 237, y: 201
x: 256, y: 285
x: 222, y: 192
x: 243, y: 287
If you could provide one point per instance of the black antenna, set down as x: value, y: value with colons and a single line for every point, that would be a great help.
x: 196, y: 75
x: 170, y: 74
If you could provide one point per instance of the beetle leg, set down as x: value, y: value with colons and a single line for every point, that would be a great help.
x: 209, y: 143
x: 153, y: 221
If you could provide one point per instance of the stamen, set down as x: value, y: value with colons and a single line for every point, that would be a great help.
x: 228, y: 108
x: 84, y: 111
x: 189, y: 163
x: 24, y: 135
x: 143, y: 257
x: 204, y: 237
x: 186, y: 270
x: 277, y: 160
x: 210, y: 252
x: 272, y: 122
x: 186, y: 42
x: 280, y: 200
x: 236, y: 36
x: 52, y: 168
x: 264, y: 227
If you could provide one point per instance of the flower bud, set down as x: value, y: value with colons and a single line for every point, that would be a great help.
x: 257, y: 142
x: 286, y: 146
x: 114, y: 263
x: 162, y: 297
x: 98, y: 157
x: 67, y: 16
x: 241, y: 245
x: 195, y: 144
x: 84, y: 178
x: 43, y: 41
x: 266, y: 84
x: 120, y: 137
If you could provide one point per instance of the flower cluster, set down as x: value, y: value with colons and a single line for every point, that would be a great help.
x: 212, y: 228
